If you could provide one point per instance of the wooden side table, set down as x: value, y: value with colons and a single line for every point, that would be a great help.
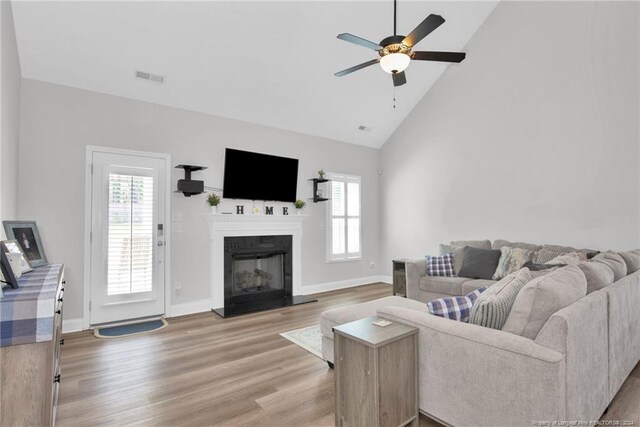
x: 400, y: 277
x: 376, y: 374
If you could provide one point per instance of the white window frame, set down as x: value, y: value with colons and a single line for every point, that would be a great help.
x: 346, y: 256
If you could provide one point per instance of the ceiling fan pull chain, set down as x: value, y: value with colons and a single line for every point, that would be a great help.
x: 394, y: 97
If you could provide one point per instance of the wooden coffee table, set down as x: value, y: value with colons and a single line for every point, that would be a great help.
x: 376, y: 374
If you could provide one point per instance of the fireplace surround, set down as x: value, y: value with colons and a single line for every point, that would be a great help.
x: 255, y: 262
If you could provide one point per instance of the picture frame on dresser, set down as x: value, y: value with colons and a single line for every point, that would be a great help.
x: 7, y: 271
x: 13, y: 247
x: 28, y: 237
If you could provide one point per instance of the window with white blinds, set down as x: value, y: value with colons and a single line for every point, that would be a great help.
x: 343, y: 218
x: 130, y: 234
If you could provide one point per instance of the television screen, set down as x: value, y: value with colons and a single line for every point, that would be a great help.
x: 256, y: 176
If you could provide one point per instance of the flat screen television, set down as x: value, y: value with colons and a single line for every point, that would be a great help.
x: 256, y: 176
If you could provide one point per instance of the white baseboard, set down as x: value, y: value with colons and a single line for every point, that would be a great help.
x: 192, y: 307
x: 342, y: 284
x: 386, y: 279
x: 72, y: 325
x: 204, y: 305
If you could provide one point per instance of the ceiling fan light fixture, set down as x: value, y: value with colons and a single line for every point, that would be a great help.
x: 395, y: 62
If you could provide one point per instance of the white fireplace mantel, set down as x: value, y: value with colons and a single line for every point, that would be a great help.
x: 226, y: 225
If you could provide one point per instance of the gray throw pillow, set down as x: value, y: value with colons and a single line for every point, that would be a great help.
x: 499, y: 243
x: 479, y: 263
x: 458, y: 253
x: 632, y: 259
x: 542, y: 297
x: 598, y: 275
x: 511, y: 260
x: 615, y: 262
x: 545, y: 255
x: 493, y: 306
x: 484, y: 244
x: 572, y: 258
x: 558, y: 248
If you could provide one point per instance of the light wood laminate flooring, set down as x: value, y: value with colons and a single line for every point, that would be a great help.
x: 205, y: 370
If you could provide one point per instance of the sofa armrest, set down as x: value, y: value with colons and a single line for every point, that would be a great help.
x: 580, y: 332
x: 470, y: 375
x: 415, y: 269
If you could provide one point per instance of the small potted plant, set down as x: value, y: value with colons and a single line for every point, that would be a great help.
x: 299, y: 204
x: 213, y: 200
x: 321, y: 173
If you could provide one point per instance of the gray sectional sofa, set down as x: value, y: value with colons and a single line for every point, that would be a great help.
x: 472, y: 375
x: 421, y: 287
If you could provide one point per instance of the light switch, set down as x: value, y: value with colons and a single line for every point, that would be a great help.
x: 176, y: 227
x: 176, y: 216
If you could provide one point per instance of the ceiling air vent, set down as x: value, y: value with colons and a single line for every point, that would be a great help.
x: 148, y: 76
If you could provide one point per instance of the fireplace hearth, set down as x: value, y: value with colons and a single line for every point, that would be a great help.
x: 258, y: 274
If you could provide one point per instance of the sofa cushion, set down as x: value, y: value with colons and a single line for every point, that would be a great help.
x: 542, y: 297
x: 457, y: 252
x: 632, y: 259
x: 511, y: 260
x: 440, y: 265
x: 571, y: 258
x: 494, y: 305
x: 498, y: 244
x: 483, y: 244
x: 545, y: 255
x: 567, y: 249
x: 479, y: 263
x: 615, y: 262
x: 454, y: 308
x: 473, y: 284
x: 598, y: 275
x: 349, y: 313
x: 442, y: 285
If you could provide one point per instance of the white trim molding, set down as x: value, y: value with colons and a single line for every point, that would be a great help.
x: 72, y: 325
x: 343, y: 284
x: 192, y: 307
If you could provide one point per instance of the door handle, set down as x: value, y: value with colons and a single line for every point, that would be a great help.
x: 160, y: 243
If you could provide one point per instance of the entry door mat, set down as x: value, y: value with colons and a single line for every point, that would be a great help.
x: 131, y: 329
x: 309, y: 338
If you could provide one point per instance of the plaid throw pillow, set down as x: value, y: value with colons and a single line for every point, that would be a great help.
x: 455, y: 308
x: 440, y: 265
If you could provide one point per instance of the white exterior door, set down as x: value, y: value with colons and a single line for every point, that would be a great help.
x: 127, y: 237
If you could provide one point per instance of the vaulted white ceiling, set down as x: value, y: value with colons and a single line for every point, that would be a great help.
x: 270, y: 63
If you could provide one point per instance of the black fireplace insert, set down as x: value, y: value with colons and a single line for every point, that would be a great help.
x: 258, y: 274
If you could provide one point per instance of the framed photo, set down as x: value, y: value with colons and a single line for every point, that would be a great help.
x: 7, y: 271
x: 12, y: 247
x: 28, y: 237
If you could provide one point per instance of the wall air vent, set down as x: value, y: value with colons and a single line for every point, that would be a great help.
x: 148, y: 76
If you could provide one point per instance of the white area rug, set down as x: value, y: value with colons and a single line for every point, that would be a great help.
x: 309, y: 338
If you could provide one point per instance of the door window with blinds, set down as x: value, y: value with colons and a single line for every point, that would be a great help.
x: 130, y: 234
x: 343, y: 218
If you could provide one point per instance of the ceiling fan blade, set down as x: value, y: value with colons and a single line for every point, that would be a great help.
x: 356, y: 68
x: 430, y: 23
x: 359, y: 40
x: 438, y: 56
x: 399, y: 78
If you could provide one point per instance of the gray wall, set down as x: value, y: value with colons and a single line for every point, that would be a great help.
x: 57, y: 123
x: 533, y: 137
x: 9, y: 121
